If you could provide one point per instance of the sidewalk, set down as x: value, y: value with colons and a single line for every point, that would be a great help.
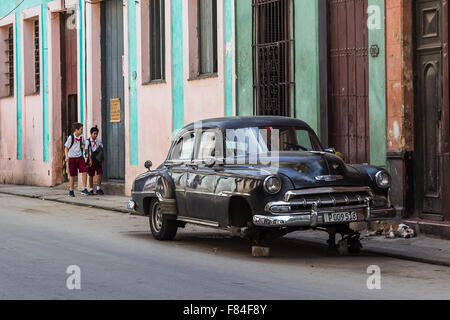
x: 421, y: 249
x: 60, y: 194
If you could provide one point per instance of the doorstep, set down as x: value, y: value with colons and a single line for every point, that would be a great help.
x: 440, y: 229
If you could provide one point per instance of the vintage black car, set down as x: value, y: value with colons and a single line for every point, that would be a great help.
x: 260, y: 177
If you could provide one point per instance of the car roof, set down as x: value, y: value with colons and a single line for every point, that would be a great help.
x: 245, y: 122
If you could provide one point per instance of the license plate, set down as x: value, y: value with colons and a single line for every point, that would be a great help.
x: 341, y: 217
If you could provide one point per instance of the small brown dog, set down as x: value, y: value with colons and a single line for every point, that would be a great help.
x: 392, y: 230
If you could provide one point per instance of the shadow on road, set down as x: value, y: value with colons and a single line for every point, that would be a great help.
x: 222, y: 243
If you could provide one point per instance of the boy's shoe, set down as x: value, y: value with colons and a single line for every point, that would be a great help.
x: 71, y: 194
x: 91, y: 193
x: 100, y: 192
x: 85, y: 192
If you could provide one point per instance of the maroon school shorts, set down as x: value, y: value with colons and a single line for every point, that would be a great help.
x: 75, y: 165
x: 94, y: 169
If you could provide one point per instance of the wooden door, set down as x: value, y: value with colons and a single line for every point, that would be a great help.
x: 113, y: 88
x: 348, y: 106
x: 429, y: 129
x: 69, y: 78
x: 69, y: 75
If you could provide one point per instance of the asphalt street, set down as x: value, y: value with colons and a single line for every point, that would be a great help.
x: 118, y: 259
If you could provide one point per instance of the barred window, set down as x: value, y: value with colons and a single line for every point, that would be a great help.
x: 37, y: 68
x: 157, y: 40
x: 273, y: 44
x: 10, y: 60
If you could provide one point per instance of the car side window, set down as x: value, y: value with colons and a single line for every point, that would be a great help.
x: 184, y: 148
x: 207, y: 145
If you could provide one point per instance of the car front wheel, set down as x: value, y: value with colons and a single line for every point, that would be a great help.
x: 161, y: 226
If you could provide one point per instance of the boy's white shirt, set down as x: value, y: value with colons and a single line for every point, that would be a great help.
x: 75, y: 151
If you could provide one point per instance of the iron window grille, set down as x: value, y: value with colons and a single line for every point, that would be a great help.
x: 273, y: 45
x: 10, y: 60
x: 157, y: 40
x: 37, y: 70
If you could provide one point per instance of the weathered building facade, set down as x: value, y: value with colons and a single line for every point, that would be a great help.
x: 417, y: 35
x: 138, y: 70
x: 371, y: 76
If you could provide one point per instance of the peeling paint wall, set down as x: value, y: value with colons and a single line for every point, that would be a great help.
x: 399, y: 64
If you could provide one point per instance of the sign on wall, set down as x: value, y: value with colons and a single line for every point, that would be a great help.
x: 114, y: 110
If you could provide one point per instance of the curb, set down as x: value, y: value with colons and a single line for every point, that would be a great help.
x: 317, y: 242
x: 70, y: 202
x: 385, y: 253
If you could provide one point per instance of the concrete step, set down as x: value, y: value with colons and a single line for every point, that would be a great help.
x: 110, y: 188
x: 114, y: 188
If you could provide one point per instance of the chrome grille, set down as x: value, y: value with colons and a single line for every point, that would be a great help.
x: 328, y: 197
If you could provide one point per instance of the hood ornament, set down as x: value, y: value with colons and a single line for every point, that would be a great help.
x: 329, y: 178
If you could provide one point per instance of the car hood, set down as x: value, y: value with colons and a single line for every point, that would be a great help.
x: 316, y: 169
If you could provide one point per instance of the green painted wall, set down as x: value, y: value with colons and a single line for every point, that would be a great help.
x: 244, y: 64
x: 377, y: 87
x: 306, y: 61
x: 307, y: 89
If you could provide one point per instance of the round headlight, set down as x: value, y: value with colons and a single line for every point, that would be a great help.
x: 272, y: 184
x: 383, y: 179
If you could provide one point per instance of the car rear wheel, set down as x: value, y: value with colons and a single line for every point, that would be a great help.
x: 162, y: 227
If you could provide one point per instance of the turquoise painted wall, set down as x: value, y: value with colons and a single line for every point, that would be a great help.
x: 45, y: 109
x: 377, y: 85
x: 228, y: 18
x: 80, y: 59
x: 18, y: 91
x: 177, y: 66
x: 132, y: 76
x: 14, y: 8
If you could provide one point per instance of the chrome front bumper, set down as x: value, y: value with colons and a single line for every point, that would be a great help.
x: 282, y: 214
x: 317, y: 219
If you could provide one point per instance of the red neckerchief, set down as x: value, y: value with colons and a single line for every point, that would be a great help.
x: 94, y: 142
x: 78, y: 139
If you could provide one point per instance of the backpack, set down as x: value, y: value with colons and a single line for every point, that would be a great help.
x: 97, y: 156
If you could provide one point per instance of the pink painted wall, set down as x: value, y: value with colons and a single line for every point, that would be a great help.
x: 154, y: 105
x: 203, y: 98
x: 31, y: 169
x: 8, y: 154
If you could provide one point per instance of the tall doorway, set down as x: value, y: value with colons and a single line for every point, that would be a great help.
x: 348, y: 82
x: 69, y: 76
x: 113, y: 88
x: 272, y: 49
x: 430, y: 109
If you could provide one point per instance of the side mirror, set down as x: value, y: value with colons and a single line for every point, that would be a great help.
x: 148, y: 164
x: 331, y: 150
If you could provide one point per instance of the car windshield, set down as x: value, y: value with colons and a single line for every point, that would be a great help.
x: 262, y: 140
